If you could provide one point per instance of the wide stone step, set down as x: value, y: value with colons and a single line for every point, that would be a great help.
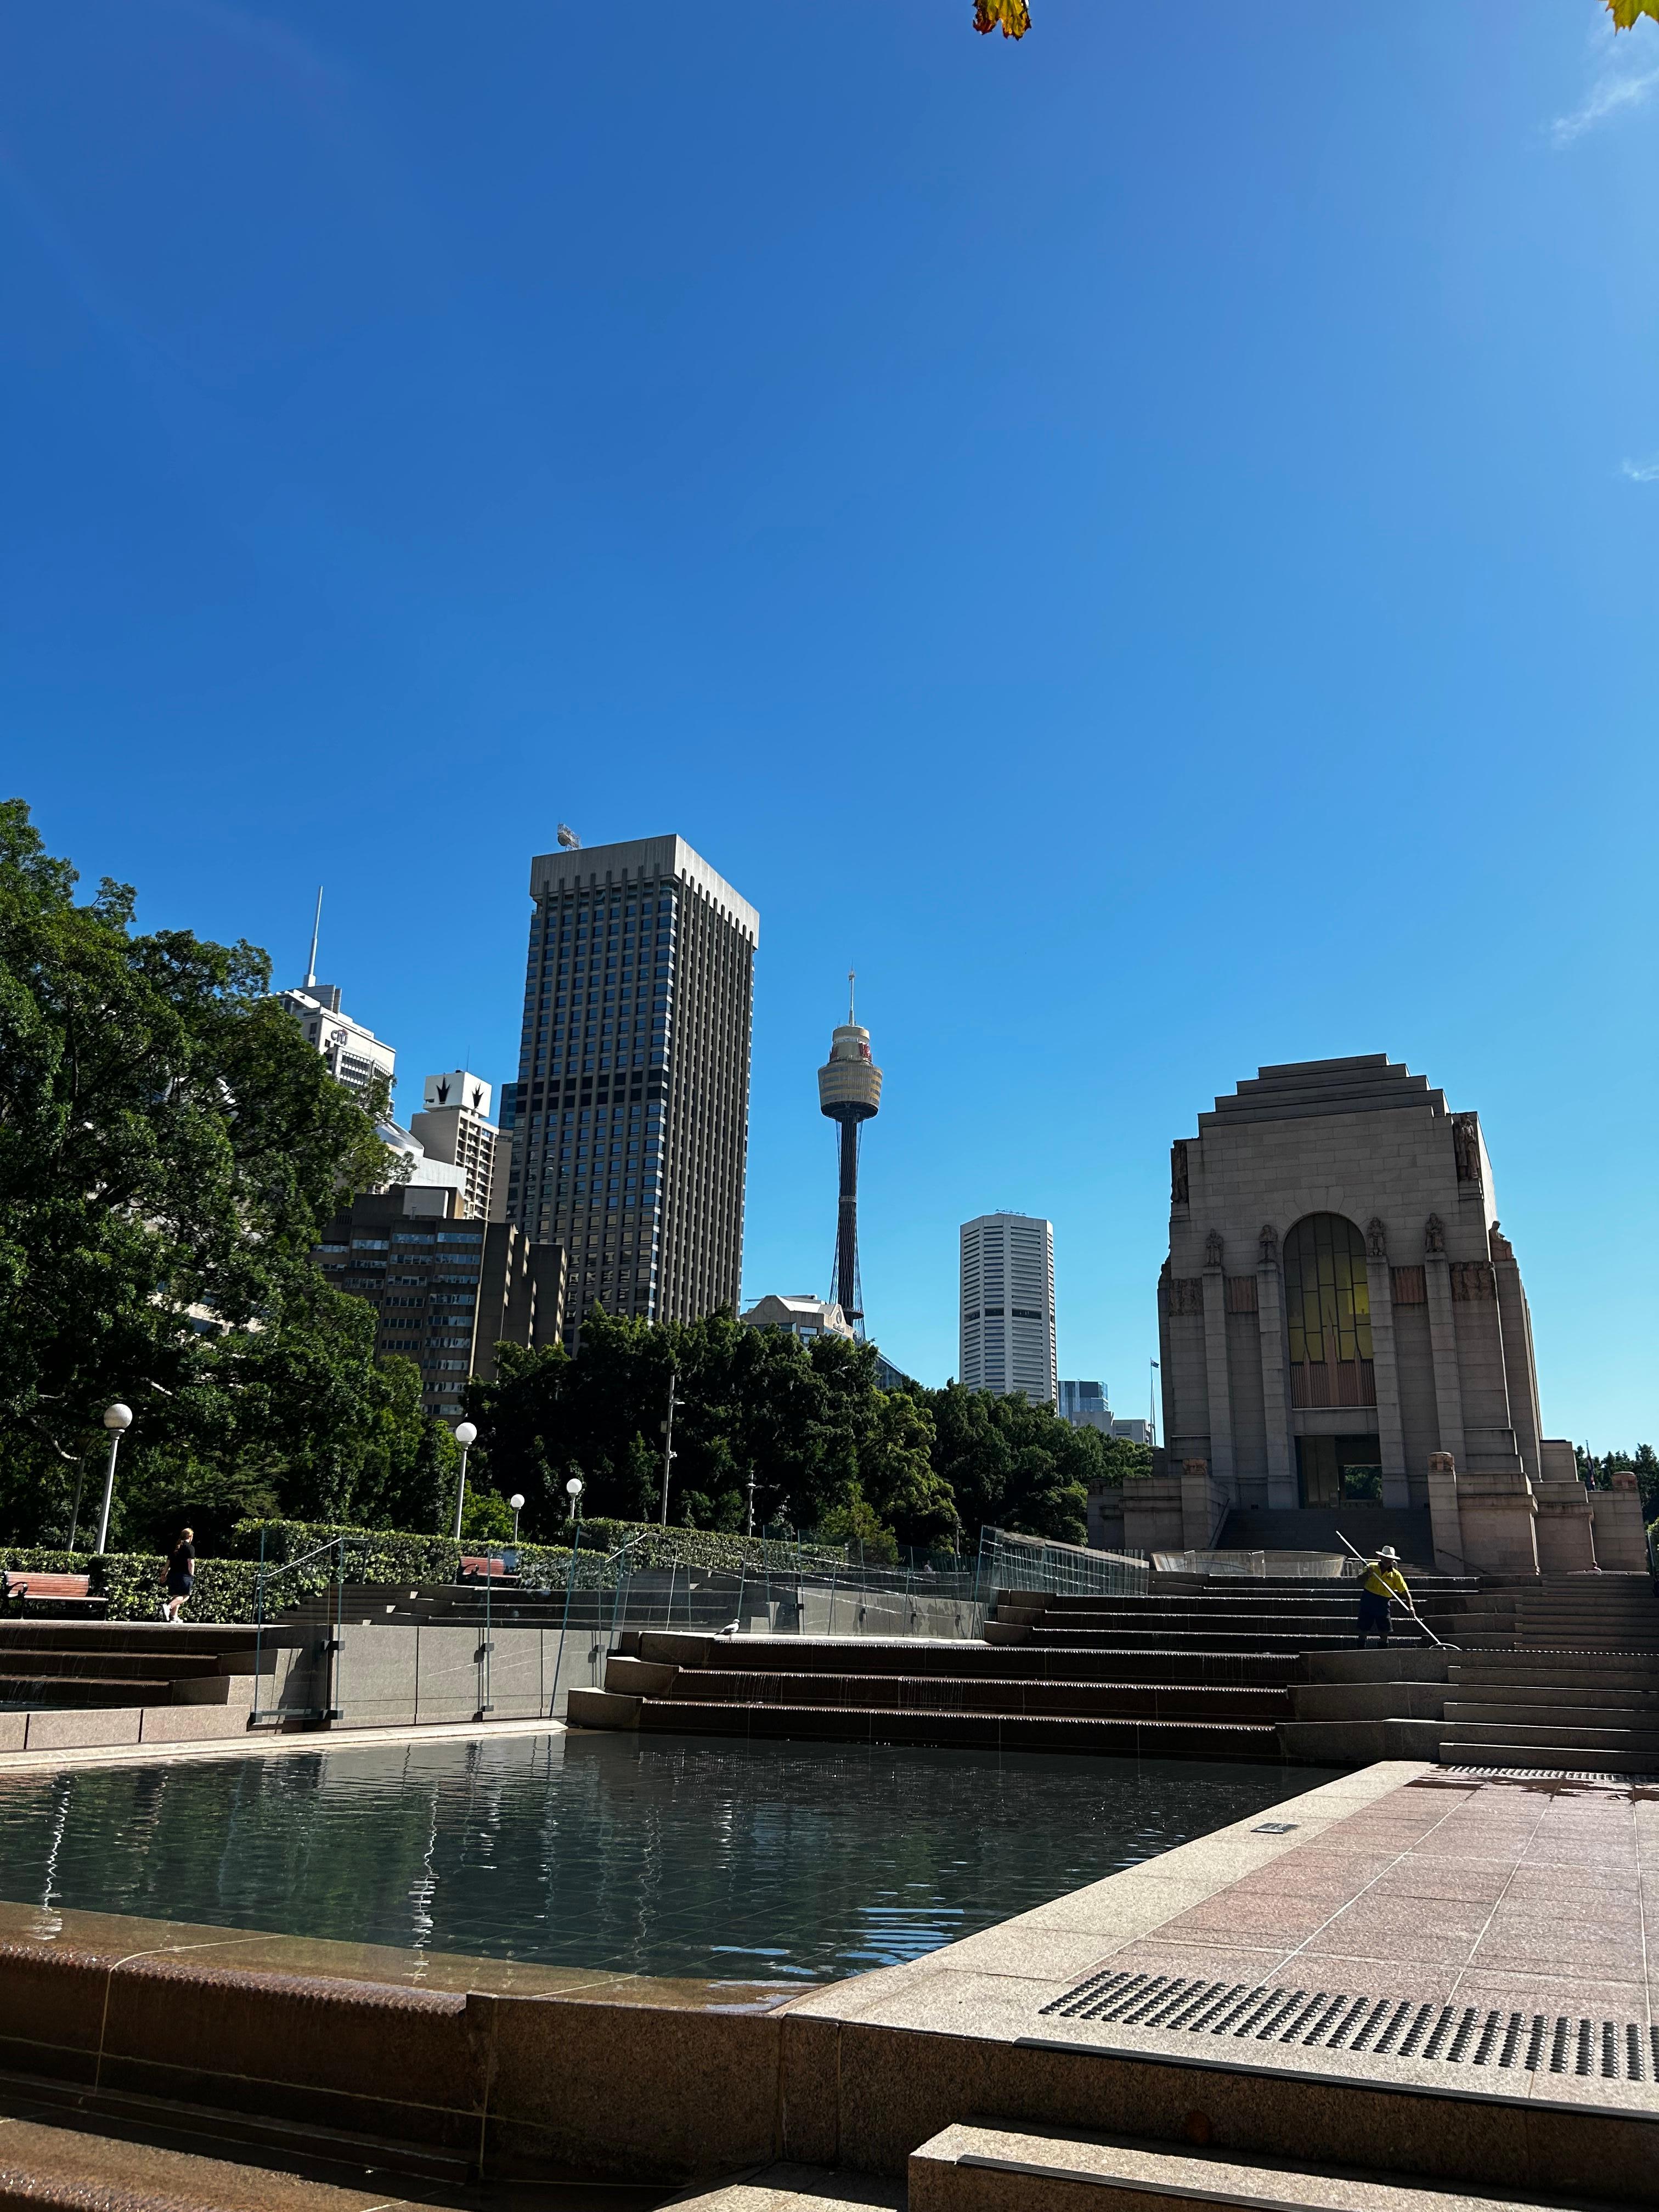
x: 941, y: 1693
x: 1560, y: 1673
x: 1288, y: 1641
x: 55, y: 1690
x: 1126, y: 1738
x: 789, y: 1655
x: 1614, y: 1710
x: 982, y: 2167
x: 1546, y: 1757
x: 102, y: 1666
x: 1554, y: 1733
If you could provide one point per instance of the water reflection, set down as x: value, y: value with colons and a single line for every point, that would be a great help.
x: 637, y: 1854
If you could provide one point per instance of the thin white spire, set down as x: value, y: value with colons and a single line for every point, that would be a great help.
x: 311, y: 965
x: 852, y: 1019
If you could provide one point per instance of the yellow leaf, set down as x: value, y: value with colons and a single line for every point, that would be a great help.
x: 1015, y: 16
x: 1623, y: 13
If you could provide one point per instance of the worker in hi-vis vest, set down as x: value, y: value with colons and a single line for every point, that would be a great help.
x: 1380, y: 1585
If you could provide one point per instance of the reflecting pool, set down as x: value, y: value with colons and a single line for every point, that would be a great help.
x: 647, y: 1855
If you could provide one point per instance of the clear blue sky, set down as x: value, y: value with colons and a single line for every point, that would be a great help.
x: 1143, y: 542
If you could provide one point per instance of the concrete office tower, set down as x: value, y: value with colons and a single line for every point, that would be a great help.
x: 446, y: 1289
x: 354, y: 1056
x: 454, y: 1126
x: 1008, y: 1306
x: 850, y: 1093
x: 631, y: 1115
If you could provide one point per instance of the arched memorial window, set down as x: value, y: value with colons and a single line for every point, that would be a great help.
x: 1328, y: 1305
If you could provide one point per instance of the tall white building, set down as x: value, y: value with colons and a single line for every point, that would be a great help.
x: 1008, y: 1306
x: 454, y: 1126
x: 354, y: 1056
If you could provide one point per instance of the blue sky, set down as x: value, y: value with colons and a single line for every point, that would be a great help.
x: 1141, y: 542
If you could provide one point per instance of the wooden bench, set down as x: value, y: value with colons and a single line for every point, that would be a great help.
x: 29, y: 1591
x: 477, y: 1568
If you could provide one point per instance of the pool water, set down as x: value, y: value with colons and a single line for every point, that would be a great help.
x: 647, y: 1855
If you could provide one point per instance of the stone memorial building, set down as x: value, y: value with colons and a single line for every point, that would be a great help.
x: 1344, y: 1332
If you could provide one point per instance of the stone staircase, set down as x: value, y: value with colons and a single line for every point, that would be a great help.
x: 1206, y: 1667
x: 1196, y: 1704
x: 64, y: 1684
x: 1572, y: 1710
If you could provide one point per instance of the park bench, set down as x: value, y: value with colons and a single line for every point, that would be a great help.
x: 499, y: 1566
x: 26, y: 1590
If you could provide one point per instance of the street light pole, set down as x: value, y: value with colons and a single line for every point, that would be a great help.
x: 465, y: 1435
x: 668, y: 1448
x: 751, y: 1529
x: 1152, y: 1402
x: 118, y: 1419
x: 517, y: 1503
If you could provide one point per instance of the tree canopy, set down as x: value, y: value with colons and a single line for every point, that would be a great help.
x: 169, y: 1146
x: 826, y: 1448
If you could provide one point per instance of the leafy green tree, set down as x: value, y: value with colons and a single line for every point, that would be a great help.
x: 169, y: 1148
x: 1014, y: 1466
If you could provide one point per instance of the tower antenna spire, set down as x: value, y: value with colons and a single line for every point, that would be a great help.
x: 851, y: 1017
x: 311, y: 964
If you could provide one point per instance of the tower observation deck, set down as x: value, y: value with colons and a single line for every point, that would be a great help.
x: 850, y: 1094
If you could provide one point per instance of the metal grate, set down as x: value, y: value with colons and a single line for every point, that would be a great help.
x: 1550, y: 1774
x: 1384, y: 2027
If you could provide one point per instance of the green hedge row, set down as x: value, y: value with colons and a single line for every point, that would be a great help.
x: 226, y: 1589
x: 391, y: 1556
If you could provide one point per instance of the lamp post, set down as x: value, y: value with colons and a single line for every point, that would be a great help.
x: 517, y: 1503
x: 751, y: 1529
x: 1151, y: 1401
x: 668, y: 1448
x: 573, y: 1491
x: 118, y: 1419
x: 465, y: 1435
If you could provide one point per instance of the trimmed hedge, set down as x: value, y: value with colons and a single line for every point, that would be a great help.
x: 226, y: 1589
x: 437, y: 1558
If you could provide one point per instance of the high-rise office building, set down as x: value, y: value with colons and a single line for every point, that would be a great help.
x: 446, y: 1287
x: 354, y: 1056
x: 630, y: 1116
x: 1085, y: 1405
x: 454, y: 1126
x: 1008, y: 1306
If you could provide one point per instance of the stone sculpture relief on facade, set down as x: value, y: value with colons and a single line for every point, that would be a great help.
x: 1178, y: 1175
x: 1213, y: 1249
x: 1376, y: 1241
x: 1466, y: 1144
x: 1434, y: 1234
x: 1268, y: 1256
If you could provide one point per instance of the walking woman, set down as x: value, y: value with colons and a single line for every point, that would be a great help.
x: 181, y: 1575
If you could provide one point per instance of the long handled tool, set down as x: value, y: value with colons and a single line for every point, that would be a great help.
x: 1410, y: 1607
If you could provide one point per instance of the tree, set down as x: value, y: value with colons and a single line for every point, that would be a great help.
x: 169, y: 1149
x: 1625, y: 12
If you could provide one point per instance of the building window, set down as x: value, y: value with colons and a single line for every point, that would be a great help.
x: 1327, y: 1307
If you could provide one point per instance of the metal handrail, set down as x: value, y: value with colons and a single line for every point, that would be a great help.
x: 333, y: 1645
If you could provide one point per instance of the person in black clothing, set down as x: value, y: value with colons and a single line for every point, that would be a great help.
x: 181, y: 1575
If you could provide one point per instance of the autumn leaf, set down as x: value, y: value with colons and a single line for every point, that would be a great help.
x: 1622, y: 12
x: 1015, y: 16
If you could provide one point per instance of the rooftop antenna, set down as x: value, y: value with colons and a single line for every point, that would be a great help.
x: 311, y: 965
x: 569, y: 839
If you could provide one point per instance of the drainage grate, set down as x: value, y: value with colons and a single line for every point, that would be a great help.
x: 1384, y: 2027
x: 1547, y: 1774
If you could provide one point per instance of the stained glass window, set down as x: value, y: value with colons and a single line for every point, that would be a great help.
x: 1327, y: 1297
